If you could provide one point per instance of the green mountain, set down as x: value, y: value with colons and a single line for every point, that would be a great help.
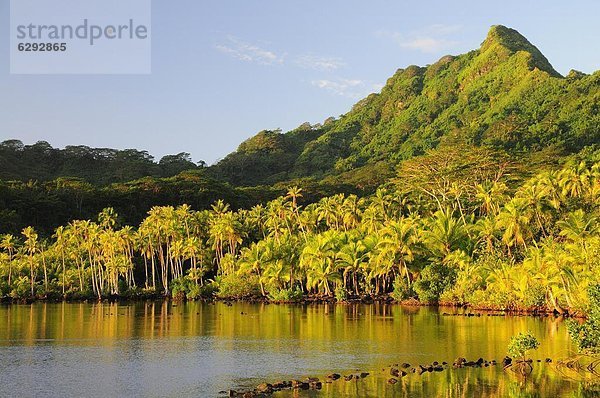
x: 506, y: 95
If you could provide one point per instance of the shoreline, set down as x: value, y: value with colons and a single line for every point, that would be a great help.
x: 469, y: 310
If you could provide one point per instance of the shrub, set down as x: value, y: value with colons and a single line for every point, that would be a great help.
x: 188, y: 288
x: 286, y: 295
x: 402, y: 290
x: 341, y: 294
x: 521, y: 343
x: 535, y: 296
x: 237, y: 286
x: 587, y: 335
x: 434, y: 280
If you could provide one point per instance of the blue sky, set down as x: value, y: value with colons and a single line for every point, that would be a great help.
x: 223, y: 70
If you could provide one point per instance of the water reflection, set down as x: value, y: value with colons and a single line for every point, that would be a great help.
x: 198, y: 349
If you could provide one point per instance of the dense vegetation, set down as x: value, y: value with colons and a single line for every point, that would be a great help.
x: 97, y: 166
x: 465, y: 241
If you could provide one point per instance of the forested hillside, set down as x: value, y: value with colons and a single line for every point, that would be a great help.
x: 98, y: 166
x: 505, y: 95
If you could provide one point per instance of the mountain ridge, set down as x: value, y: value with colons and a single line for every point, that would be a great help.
x: 505, y: 95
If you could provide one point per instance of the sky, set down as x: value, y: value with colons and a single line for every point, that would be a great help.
x: 224, y: 70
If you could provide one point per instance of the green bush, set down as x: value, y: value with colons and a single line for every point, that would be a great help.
x: 521, y: 343
x: 402, y: 290
x: 186, y: 287
x: 341, y: 294
x: 286, y: 295
x: 535, y: 297
x: 434, y: 280
x: 237, y: 286
x: 587, y: 335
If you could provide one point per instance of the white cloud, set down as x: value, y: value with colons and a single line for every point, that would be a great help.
x: 351, y: 88
x: 249, y: 52
x: 430, y: 39
x: 319, y: 63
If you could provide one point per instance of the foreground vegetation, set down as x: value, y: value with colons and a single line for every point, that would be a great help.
x: 438, y: 238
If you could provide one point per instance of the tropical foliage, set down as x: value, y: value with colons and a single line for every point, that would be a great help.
x: 464, y: 241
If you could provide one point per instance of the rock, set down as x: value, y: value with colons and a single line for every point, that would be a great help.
x: 394, y: 372
x: 507, y: 361
x: 334, y: 376
x: 403, y: 373
x: 480, y: 361
x: 312, y: 379
x: 392, y: 381
x: 548, y: 360
x: 280, y: 385
x: 316, y: 385
x: 438, y: 368
x: 435, y: 363
x: 349, y: 377
x: 265, y: 388
x: 459, y: 362
x: 364, y: 374
x: 405, y: 365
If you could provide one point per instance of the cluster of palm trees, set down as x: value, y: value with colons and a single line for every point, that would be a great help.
x: 483, y: 243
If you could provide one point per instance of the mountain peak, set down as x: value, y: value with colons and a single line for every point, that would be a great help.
x: 513, y: 41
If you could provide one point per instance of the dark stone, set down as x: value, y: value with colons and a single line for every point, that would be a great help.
x: 459, y: 362
x: 403, y: 373
x: 334, y: 376
x: 364, y: 374
x: 394, y: 372
x: 316, y: 385
x: 438, y: 368
x: 265, y: 388
x: 405, y: 365
x: 349, y: 377
x: 392, y: 381
x: 507, y: 361
x: 548, y: 360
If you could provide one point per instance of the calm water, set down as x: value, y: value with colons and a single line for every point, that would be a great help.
x: 197, y: 349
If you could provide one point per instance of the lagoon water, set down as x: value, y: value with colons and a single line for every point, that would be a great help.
x: 164, y: 349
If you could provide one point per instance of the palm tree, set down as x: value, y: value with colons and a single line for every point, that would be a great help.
x: 60, y: 244
x: 8, y: 243
x: 319, y: 262
x: 397, y: 246
x: 31, y: 248
x: 352, y: 257
x: 514, y: 219
x: 253, y: 259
